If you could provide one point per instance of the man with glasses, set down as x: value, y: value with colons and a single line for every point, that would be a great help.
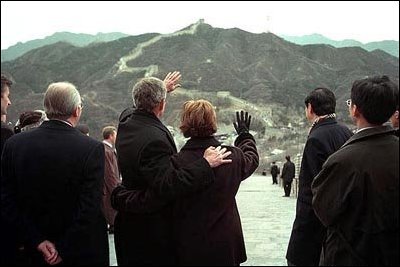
x: 325, y: 137
x: 356, y: 194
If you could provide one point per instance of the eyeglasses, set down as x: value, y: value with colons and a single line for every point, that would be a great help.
x: 348, y: 102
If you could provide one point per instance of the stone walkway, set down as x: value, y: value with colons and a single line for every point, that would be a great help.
x: 267, y: 220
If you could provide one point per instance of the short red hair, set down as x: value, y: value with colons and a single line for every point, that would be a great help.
x: 198, y: 119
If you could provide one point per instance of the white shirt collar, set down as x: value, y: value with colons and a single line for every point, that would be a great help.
x: 66, y: 122
x: 108, y: 143
x: 365, y: 128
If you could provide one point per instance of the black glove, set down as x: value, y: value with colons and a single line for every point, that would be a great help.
x: 243, y: 123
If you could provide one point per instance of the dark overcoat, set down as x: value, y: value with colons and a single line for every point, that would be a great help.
x: 6, y: 132
x: 8, y: 246
x: 308, y: 233
x: 288, y: 171
x: 52, y: 180
x: 144, y: 148
x: 356, y: 195
x: 207, y: 223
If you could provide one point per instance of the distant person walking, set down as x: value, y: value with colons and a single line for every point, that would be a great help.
x: 274, y: 172
x: 288, y: 173
x: 325, y: 137
x: 356, y: 194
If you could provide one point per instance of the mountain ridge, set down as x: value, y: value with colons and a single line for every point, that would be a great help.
x: 389, y: 46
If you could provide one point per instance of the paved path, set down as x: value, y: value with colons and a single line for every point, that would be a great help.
x: 267, y: 220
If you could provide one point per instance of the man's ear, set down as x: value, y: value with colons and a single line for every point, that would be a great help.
x: 355, y: 111
x: 76, y: 112
x: 310, y: 108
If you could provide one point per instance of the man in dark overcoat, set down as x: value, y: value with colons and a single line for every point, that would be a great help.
x: 326, y: 136
x: 52, y: 185
x: 356, y: 194
x: 274, y: 173
x: 288, y: 172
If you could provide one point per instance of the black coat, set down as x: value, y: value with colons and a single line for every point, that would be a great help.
x: 51, y: 189
x: 6, y: 132
x: 144, y: 148
x: 288, y: 171
x: 307, y: 235
x: 356, y: 195
x: 274, y: 170
x: 8, y: 246
x: 207, y: 224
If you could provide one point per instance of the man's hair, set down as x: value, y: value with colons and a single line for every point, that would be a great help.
x: 322, y: 101
x: 375, y: 97
x: 198, y: 119
x: 287, y: 158
x: 148, y: 93
x: 4, y: 81
x: 107, y: 131
x: 83, y: 128
x: 60, y: 100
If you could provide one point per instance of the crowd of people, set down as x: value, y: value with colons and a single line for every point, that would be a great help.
x: 62, y: 191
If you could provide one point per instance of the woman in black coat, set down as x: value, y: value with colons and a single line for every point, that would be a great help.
x: 207, y: 224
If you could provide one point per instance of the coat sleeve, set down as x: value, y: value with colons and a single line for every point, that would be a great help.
x: 111, y: 173
x: 165, y: 181
x: 331, y: 189
x: 249, y: 154
x: 88, y: 210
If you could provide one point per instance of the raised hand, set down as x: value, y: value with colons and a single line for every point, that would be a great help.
x: 171, y: 81
x: 242, y: 124
x: 216, y: 156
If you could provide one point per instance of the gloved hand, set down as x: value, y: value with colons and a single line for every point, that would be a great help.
x: 243, y: 123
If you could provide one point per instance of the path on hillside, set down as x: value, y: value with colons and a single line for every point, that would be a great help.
x: 151, y: 70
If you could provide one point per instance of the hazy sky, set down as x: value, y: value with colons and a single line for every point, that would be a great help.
x: 363, y: 21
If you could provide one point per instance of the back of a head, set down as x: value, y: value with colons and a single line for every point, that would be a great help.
x: 198, y: 119
x: 83, y: 128
x: 60, y: 100
x: 30, y: 120
x: 287, y: 158
x: 108, y: 131
x: 148, y: 93
x: 322, y: 100
x: 375, y: 98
